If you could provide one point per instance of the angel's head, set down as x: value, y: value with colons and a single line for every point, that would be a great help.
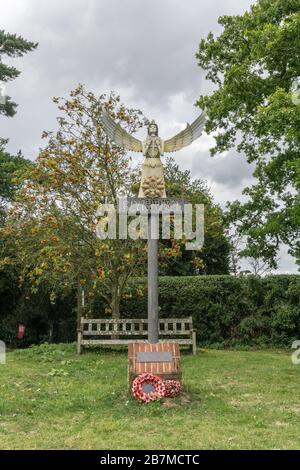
x: 152, y: 129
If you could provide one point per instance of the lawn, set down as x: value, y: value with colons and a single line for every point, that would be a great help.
x: 53, y: 399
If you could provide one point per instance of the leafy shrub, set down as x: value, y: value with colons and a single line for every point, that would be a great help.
x: 253, y: 327
x: 7, y: 332
x: 285, y: 324
x: 228, y: 310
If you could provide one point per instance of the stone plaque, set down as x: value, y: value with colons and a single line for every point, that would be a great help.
x: 154, y: 357
x: 158, y: 205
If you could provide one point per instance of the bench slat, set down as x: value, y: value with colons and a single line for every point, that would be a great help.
x: 180, y: 326
x: 125, y: 341
x: 135, y: 333
x: 134, y: 320
x: 119, y: 333
x: 111, y: 326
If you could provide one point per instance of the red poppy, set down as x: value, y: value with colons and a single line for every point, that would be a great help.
x: 172, y: 388
x: 148, y: 387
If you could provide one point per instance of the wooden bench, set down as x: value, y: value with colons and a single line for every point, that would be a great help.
x: 122, y: 331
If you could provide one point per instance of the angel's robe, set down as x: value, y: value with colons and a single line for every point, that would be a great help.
x: 152, y: 178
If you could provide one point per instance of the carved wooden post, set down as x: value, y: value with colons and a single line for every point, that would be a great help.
x: 153, y: 325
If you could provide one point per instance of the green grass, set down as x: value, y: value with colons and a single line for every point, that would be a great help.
x: 50, y: 398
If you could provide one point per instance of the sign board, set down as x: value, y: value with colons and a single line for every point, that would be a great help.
x: 154, y: 357
x: 145, y: 204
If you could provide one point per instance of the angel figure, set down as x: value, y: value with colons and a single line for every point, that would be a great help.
x: 153, y: 147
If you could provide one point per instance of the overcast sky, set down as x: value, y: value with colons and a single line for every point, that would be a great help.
x: 144, y: 50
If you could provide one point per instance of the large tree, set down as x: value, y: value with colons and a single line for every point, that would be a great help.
x: 51, y: 226
x: 11, y: 45
x: 255, y: 64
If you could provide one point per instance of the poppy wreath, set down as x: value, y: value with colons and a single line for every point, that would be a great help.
x: 148, y: 379
x: 172, y: 388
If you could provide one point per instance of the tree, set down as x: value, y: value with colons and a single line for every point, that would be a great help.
x: 254, y: 64
x: 214, y: 257
x: 51, y: 226
x: 259, y: 262
x: 11, y: 45
x: 11, y: 166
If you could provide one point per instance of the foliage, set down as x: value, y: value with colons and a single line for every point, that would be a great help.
x: 50, y: 231
x: 228, y: 310
x: 11, y: 46
x: 214, y: 256
x: 49, y: 235
x: 11, y: 169
x: 253, y: 63
x: 44, y: 320
x: 51, y: 398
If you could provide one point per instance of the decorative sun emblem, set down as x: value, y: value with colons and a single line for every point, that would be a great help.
x: 153, y: 186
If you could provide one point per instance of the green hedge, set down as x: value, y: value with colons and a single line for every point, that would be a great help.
x: 227, y: 310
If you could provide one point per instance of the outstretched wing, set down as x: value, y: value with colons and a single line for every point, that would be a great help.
x: 119, y: 135
x: 187, y: 136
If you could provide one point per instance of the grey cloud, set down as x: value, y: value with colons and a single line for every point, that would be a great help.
x: 143, y: 50
x: 230, y: 170
x: 145, y: 47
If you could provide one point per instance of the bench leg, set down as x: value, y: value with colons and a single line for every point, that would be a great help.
x: 79, y: 341
x: 194, y: 342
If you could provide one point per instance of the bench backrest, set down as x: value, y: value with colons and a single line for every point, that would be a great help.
x: 134, y: 327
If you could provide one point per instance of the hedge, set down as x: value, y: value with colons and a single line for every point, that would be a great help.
x: 228, y: 310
